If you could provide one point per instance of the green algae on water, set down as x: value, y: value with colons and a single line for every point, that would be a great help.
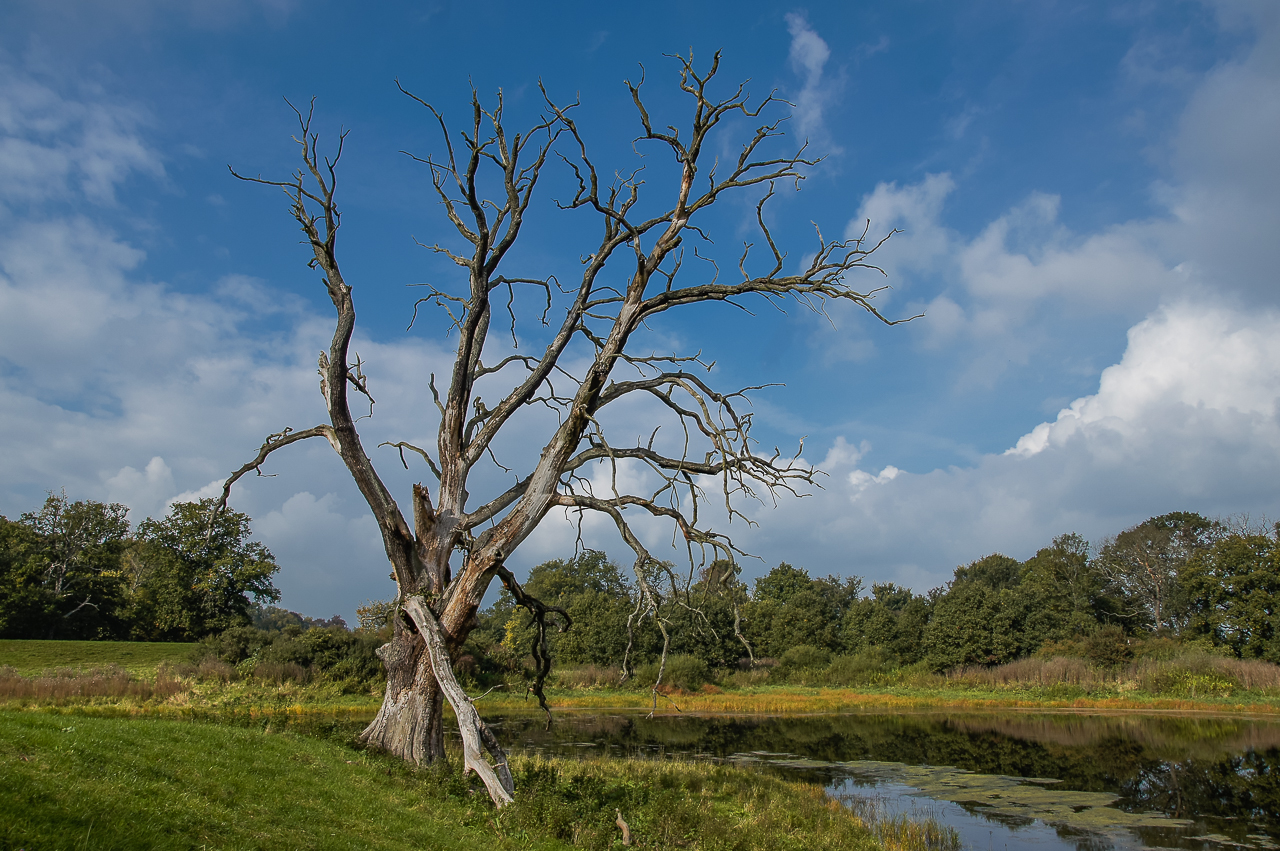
x: 1006, y: 798
x: 1015, y: 797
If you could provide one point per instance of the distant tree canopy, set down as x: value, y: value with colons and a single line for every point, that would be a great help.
x: 1177, y: 574
x: 75, y: 570
x: 1231, y: 593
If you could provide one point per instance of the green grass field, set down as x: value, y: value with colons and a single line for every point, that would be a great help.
x: 73, y: 781
x: 78, y: 782
x: 137, y: 657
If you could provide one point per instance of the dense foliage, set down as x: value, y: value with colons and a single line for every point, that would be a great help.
x: 75, y: 570
x: 1179, y: 576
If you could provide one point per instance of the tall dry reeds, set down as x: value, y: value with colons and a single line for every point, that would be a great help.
x: 67, y: 683
x: 588, y: 677
x: 1191, y: 673
x: 1032, y: 672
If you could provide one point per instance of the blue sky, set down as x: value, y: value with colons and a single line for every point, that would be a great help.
x: 1087, y: 195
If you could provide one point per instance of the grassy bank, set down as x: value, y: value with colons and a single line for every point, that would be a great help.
x: 136, y: 657
x: 167, y: 678
x: 69, y: 782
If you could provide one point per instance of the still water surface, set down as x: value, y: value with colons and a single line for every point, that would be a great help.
x: 1004, y: 780
x: 1027, y: 780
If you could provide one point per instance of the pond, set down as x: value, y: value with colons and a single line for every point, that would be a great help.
x: 1056, y: 781
x: 1003, y: 780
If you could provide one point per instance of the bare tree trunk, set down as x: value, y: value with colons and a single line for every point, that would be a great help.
x: 410, y: 723
x: 476, y: 736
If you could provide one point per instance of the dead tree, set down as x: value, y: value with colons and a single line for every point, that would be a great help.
x: 437, y: 608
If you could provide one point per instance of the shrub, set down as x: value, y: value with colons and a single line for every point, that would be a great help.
x: 870, y: 665
x: 1161, y: 648
x: 804, y: 657
x: 1108, y: 647
x: 232, y: 645
x: 328, y: 650
x: 681, y: 672
x: 1067, y: 648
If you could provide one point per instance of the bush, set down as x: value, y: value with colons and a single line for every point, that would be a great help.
x: 1068, y: 648
x: 804, y: 657
x: 1161, y: 649
x: 681, y: 672
x: 867, y: 666
x: 1108, y: 647
x: 232, y: 645
x: 327, y: 650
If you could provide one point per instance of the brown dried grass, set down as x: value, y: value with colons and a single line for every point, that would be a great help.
x: 1188, y: 674
x: 588, y: 676
x: 67, y: 683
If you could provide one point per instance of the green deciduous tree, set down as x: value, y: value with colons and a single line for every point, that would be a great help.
x: 981, y: 618
x: 189, y: 578
x: 788, y: 608
x: 63, y: 571
x: 1233, y: 594
x: 1142, y: 564
x: 892, y: 618
x: 1064, y: 591
x: 23, y: 605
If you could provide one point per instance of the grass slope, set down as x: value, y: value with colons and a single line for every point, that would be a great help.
x: 78, y: 782
x: 137, y: 657
x: 72, y: 781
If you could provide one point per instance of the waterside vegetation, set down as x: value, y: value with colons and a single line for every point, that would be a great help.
x: 1163, y: 676
x: 72, y: 781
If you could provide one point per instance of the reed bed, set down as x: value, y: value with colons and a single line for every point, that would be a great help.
x: 1196, y: 674
x: 900, y: 831
x: 66, y: 684
x: 588, y: 677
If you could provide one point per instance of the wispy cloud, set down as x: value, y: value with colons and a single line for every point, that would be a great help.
x: 53, y: 147
x: 809, y: 56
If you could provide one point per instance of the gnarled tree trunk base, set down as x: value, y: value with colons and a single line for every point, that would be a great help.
x: 410, y: 723
x: 476, y: 735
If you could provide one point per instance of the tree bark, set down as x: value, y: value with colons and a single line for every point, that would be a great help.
x: 410, y: 723
x: 476, y: 736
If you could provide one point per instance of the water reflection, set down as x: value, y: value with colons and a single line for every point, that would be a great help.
x: 1221, y: 774
x: 996, y: 777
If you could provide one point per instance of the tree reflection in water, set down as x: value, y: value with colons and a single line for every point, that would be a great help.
x: 1222, y: 772
x: 1241, y: 786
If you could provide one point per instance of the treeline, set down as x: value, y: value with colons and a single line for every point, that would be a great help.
x: 1179, y: 577
x: 77, y: 570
